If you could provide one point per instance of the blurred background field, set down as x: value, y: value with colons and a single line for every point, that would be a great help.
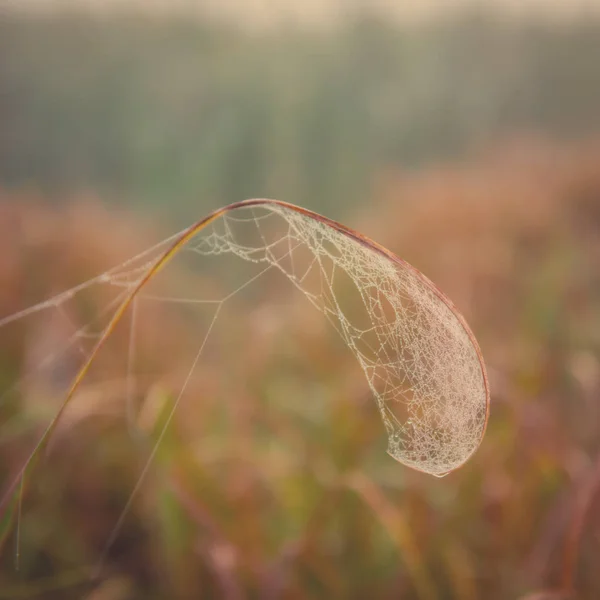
x: 467, y: 142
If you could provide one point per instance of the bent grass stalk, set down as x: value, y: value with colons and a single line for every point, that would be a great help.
x: 419, y: 356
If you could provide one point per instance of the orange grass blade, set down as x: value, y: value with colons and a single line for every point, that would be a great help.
x: 370, y: 248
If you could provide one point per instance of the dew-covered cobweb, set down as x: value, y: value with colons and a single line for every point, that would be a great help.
x: 420, y: 360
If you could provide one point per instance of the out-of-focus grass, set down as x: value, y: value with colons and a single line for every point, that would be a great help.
x: 185, y: 115
x: 273, y: 480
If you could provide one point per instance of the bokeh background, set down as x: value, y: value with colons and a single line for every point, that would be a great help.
x: 463, y: 136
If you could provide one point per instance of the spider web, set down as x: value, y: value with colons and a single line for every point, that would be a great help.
x: 419, y: 358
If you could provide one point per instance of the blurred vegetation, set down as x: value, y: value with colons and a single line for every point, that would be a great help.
x: 193, y: 115
x: 273, y: 481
